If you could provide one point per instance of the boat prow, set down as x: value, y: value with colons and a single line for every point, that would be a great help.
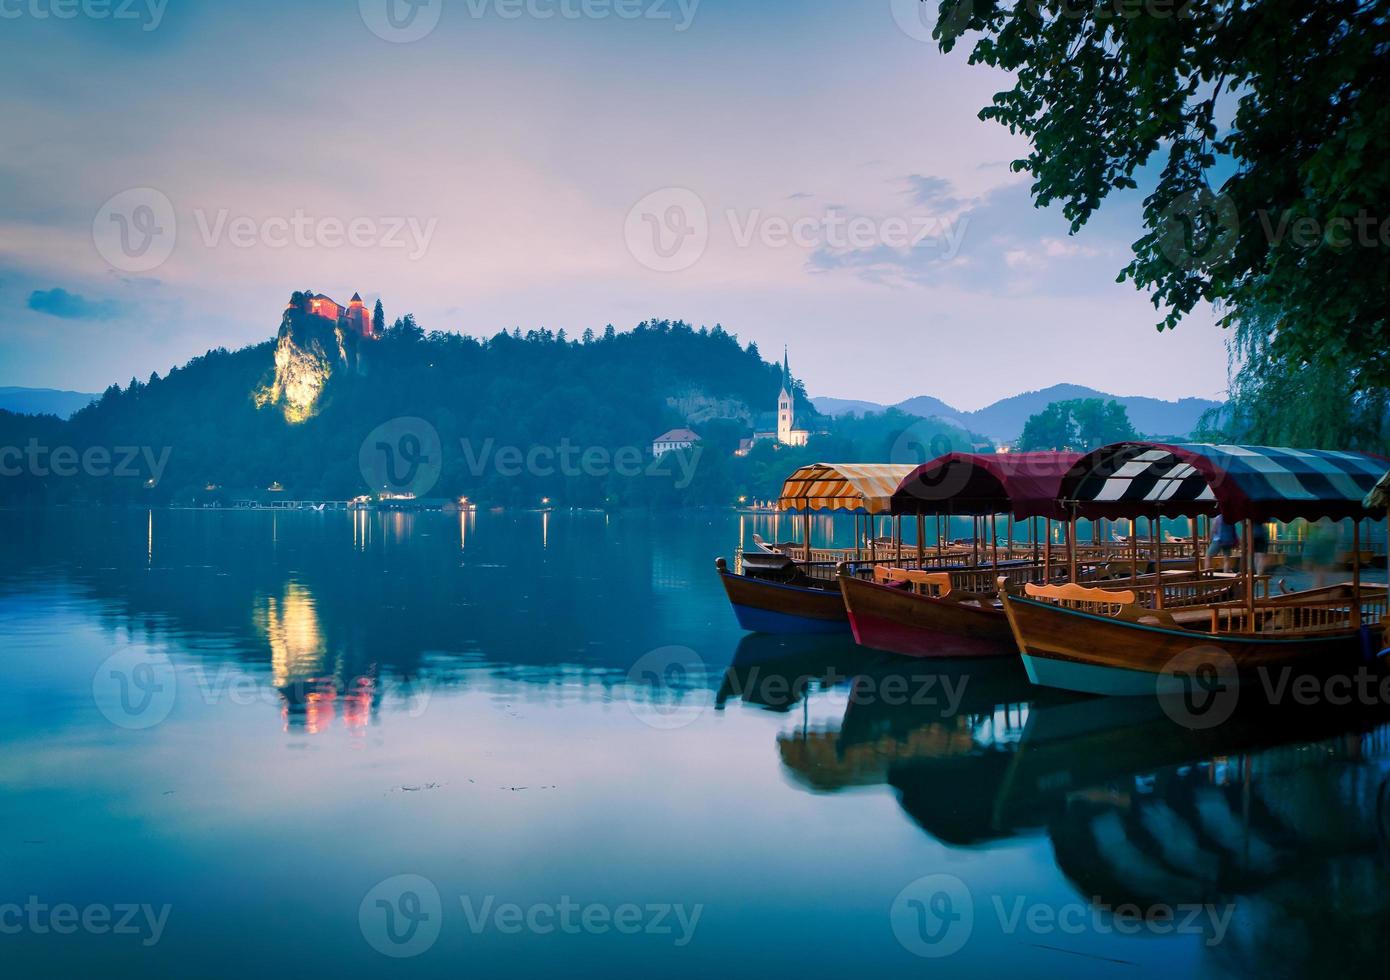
x: 764, y: 605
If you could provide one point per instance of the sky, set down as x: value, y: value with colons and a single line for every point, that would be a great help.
x: 808, y: 174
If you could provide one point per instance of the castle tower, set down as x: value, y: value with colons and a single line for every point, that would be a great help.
x: 357, y: 316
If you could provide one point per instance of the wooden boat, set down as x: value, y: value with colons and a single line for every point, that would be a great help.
x: 954, y: 612
x: 1101, y: 641
x: 919, y: 614
x: 774, y: 592
x: 794, y: 603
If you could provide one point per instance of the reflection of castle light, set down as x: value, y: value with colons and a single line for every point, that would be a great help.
x: 296, y: 642
x: 311, y: 688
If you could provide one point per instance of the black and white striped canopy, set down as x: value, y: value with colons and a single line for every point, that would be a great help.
x: 1138, y: 479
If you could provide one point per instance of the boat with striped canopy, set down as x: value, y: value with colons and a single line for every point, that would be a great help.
x: 795, y: 590
x: 1104, y: 641
x: 953, y: 610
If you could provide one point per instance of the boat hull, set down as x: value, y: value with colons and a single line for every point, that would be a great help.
x: 774, y: 607
x: 1092, y: 654
x: 899, y: 621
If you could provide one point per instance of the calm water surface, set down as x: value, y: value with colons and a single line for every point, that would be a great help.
x: 523, y: 744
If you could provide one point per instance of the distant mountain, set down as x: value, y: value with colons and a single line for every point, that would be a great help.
x: 1003, y: 421
x: 927, y: 406
x: 844, y: 406
x: 44, y: 401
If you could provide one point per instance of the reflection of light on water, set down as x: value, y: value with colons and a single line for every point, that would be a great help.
x: 361, y: 529
x: 310, y: 687
x: 149, y: 540
x: 545, y: 529
x: 401, y: 525
x: 296, y: 641
x: 463, y: 530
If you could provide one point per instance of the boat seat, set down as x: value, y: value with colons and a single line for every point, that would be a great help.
x: 935, y: 584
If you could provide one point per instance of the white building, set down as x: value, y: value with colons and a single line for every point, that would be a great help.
x: 675, y: 439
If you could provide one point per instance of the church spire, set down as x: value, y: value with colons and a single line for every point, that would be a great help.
x: 786, y: 370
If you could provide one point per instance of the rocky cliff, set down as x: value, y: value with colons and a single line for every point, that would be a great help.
x: 308, y: 351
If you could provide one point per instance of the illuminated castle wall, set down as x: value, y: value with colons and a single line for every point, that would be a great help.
x: 354, y: 316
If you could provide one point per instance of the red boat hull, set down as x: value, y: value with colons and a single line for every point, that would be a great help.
x: 899, y: 621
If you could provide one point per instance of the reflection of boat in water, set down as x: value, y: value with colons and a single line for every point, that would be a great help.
x: 1289, y: 839
x: 777, y: 671
x: 1275, y: 826
x: 1005, y: 762
x: 941, y: 735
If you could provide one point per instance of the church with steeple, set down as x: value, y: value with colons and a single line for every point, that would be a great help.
x: 783, y: 426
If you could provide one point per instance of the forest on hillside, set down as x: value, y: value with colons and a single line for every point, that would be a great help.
x: 491, y: 401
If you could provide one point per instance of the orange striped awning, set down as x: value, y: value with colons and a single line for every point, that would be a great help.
x: 864, y: 488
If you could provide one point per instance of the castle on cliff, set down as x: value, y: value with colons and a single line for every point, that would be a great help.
x: 354, y: 317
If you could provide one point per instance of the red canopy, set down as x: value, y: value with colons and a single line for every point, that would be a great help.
x: 1022, y: 484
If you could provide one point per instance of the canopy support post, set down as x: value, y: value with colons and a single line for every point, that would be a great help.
x: 898, y: 538
x: 994, y: 542
x: 1047, y: 553
x: 1248, y: 561
x: 921, y: 541
x: 806, y: 532
x: 1133, y: 549
x: 1356, y: 572
x: 1156, y: 535
x: 1071, y: 544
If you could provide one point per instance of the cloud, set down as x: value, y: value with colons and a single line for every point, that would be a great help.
x: 931, y: 192
x: 996, y: 242
x: 70, y: 306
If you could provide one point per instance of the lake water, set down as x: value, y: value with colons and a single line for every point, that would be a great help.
x: 525, y: 744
